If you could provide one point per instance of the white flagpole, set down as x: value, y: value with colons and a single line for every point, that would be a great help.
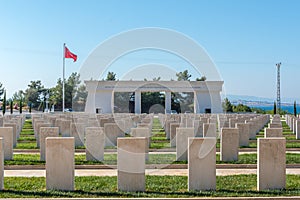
x: 63, y: 80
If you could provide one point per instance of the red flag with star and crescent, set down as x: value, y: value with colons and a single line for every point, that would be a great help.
x: 69, y: 54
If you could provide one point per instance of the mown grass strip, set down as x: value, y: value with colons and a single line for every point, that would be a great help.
x: 156, y: 186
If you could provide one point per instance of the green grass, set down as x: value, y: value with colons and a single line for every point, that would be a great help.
x: 27, y: 145
x: 156, y: 186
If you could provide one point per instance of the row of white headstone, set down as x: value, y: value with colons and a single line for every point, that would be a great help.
x: 131, y: 163
x: 294, y: 124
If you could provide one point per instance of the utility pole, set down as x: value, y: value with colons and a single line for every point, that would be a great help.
x: 278, y: 87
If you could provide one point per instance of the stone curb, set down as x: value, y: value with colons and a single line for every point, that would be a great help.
x: 151, y: 166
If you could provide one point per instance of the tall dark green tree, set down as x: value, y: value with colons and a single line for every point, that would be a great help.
x: 227, y: 106
x: 274, y: 109
x: 4, y: 104
x: 73, y: 91
x: 151, y: 98
x: 33, y: 93
x: 295, y: 109
x: 11, y: 103
x: 184, y: 101
x: 21, y: 105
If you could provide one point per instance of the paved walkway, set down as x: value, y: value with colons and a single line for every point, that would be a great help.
x: 113, y: 172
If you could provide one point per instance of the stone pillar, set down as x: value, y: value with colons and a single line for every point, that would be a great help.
x: 1, y: 163
x: 95, y: 142
x: 1, y: 121
x: 7, y: 134
x: 271, y: 163
x: 60, y: 163
x: 209, y: 130
x: 182, y: 135
x: 243, y: 134
x: 168, y: 102
x: 137, y: 102
x: 44, y: 133
x: 173, y: 127
x: 202, y: 164
x: 229, y: 144
x: 273, y: 132
x: 131, y: 164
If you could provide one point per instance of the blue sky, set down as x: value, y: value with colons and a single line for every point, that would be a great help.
x: 245, y: 38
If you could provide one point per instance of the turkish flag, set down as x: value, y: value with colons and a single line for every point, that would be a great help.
x: 69, y: 54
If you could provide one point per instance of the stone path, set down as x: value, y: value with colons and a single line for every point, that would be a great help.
x: 113, y: 172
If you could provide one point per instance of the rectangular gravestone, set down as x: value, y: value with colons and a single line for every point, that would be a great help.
x: 271, y: 163
x: 112, y: 131
x: 1, y: 163
x: 167, y: 128
x: 131, y: 164
x: 243, y: 134
x: 252, y: 131
x: 39, y: 126
x: 7, y: 134
x: 209, y: 130
x: 46, y: 132
x: 198, y: 125
x: 65, y: 128
x: 14, y: 126
x: 273, y: 132
x: 60, y: 163
x: 229, y: 144
x: 202, y: 164
x: 77, y: 131
x: 142, y: 132
x: 173, y: 127
x: 95, y: 142
x: 297, y: 129
x: 275, y: 125
x: 182, y: 135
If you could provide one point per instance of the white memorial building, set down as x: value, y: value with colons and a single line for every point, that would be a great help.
x: 207, y: 94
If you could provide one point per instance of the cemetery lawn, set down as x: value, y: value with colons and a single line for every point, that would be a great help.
x: 111, y: 159
x: 156, y: 186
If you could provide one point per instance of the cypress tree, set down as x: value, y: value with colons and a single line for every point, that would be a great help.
x: 4, y: 104
x: 295, y: 109
x: 11, y: 107
x: 274, y: 109
x: 30, y: 107
x: 21, y: 105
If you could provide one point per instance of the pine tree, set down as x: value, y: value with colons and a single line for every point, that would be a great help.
x: 274, y: 110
